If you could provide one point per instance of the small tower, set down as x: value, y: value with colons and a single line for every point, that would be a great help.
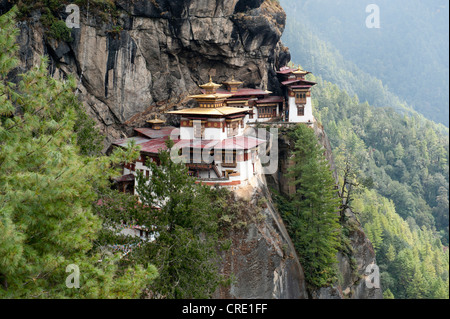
x: 156, y: 123
x: 210, y: 98
x: 232, y: 85
x: 210, y: 87
x: 300, y: 73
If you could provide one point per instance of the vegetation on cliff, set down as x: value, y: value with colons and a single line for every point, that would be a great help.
x: 47, y: 188
x: 311, y: 214
x: 392, y: 162
x: 183, y: 218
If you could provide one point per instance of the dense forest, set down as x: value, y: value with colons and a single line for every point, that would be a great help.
x: 404, y: 64
x: 392, y: 161
x: 397, y: 166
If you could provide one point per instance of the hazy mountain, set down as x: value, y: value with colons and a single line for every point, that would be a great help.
x: 409, y: 52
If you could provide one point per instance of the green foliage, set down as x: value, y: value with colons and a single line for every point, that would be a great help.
x: 59, y: 31
x: 405, y: 60
x: 184, y: 217
x: 312, y: 213
x: 387, y: 294
x: 51, y: 11
x: 414, y: 261
x: 404, y: 158
x: 89, y: 138
x: 404, y: 161
x: 47, y: 189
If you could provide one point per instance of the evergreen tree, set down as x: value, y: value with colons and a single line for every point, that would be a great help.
x: 314, y: 211
x: 404, y: 207
x: 183, y: 218
x: 47, y: 189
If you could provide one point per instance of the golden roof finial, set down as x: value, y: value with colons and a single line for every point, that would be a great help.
x: 156, y: 120
x: 210, y: 86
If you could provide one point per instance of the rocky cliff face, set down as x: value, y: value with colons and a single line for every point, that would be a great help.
x: 261, y: 260
x: 154, y: 53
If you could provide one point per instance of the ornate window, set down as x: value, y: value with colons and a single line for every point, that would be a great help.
x: 300, y: 110
x: 267, y: 111
x: 300, y: 97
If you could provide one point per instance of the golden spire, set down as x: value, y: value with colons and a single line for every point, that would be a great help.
x: 156, y: 123
x: 210, y: 87
x: 233, y: 84
x: 300, y: 71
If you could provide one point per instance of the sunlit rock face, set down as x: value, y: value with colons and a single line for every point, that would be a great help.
x: 157, y: 52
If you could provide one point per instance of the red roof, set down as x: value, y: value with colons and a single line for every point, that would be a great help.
x: 298, y: 80
x: 124, y: 142
x: 300, y: 86
x: 238, y: 99
x: 199, y: 144
x: 154, y: 146
x: 270, y: 99
x: 247, y: 92
x: 290, y: 81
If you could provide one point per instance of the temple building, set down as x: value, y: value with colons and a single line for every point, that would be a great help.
x: 263, y: 107
x: 151, y: 141
x: 297, y: 93
x: 212, y: 139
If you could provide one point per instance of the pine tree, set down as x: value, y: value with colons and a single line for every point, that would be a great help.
x: 418, y: 288
x: 184, y: 220
x: 313, y: 217
x: 47, y: 189
x: 391, y: 254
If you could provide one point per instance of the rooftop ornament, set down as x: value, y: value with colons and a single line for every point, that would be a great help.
x: 210, y: 87
x: 156, y: 123
x: 233, y: 84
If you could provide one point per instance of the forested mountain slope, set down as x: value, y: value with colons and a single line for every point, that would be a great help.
x: 409, y: 53
x: 393, y: 160
x: 396, y: 168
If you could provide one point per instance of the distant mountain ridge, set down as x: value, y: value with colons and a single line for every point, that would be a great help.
x: 409, y: 53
